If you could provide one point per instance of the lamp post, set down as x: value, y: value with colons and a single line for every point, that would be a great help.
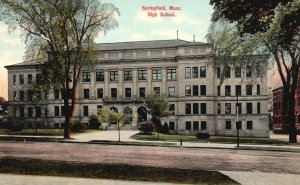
x: 237, y: 121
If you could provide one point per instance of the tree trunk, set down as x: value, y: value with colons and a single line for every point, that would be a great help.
x: 291, y: 119
x: 67, y: 127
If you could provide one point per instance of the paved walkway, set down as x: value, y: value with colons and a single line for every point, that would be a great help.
x: 112, y: 135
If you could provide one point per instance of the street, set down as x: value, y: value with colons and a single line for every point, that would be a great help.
x: 173, y: 157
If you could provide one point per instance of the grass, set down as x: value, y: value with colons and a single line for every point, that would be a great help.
x: 40, y: 132
x: 213, y: 139
x: 112, y: 171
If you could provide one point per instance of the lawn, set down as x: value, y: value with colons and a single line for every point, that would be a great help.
x: 40, y: 132
x: 213, y: 139
x: 112, y: 171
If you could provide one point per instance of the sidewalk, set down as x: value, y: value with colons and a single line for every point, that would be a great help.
x: 112, y: 135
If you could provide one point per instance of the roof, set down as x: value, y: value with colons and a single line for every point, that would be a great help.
x: 145, y: 44
x: 153, y: 44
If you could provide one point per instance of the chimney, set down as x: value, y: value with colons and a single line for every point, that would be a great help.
x: 177, y: 34
x: 194, y: 38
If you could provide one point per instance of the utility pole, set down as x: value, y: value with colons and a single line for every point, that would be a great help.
x: 237, y: 121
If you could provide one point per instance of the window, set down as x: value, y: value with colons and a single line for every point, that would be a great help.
x: 203, y: 71
x: 156, y: 74
x: 85, y: 111
x: 257, y: 89
x: 56, y: 110
x: 239, y: 125
x: 188, y: 125
x: 142, y: 92
x: 219, y: 108
x: 188, y: 72
x: 203, y: 90
x: 172, y: 109
x: 14, y: 111
x: 114, y: 76
x: 38, y: 112
x: 195, y: 90
x: 86, y: 76
x: 142, y: 74
x: 219, y: 91
x: 171, y: 125
x: 249, y: 125
x: 227, y: 125
x: 100, y: 76
x: 15, y: 95
x: 30, y: 112
x: 86, y: 93
x: 203, y: 108
x: 227, y: 72
x: 156, y: 90
x: 195, y: 108
x: 188, y: 108
x: 238, y: 72
x: 99, y: 107
x: 239, y: 108
x: 128, y: 75
x: 21, y: 95
x: 29, y: 78
x: 249, y: 108
x: 127, y: 92
x: 187, y: 90
x: 227, y: 90
x: 14, y: 79
x: 249, y: 90
x: 195, y: 72
x: 38, y: 78
x: 113, y: 92
x: 56, y: 94
x: 22, y: 112
x: 195, y: 125
x: 171, y: 73
x: 238, y: 90
x: 203, y: 125
x: 100, y: 93
x: 227, y: 108
x: 258, y: 107
x: 171, y: 91
x: 21, y: 78
x: 218, y: 72
x: 248, y: 71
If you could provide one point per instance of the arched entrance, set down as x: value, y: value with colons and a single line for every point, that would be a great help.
x: 141, y: 114
x: 128, y: 111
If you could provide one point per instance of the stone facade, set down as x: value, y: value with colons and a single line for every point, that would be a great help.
x: 126, y: 72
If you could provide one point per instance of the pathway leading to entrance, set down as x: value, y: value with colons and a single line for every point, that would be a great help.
x: 109, y: 135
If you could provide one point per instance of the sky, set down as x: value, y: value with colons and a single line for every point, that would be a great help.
x: 134, y: 25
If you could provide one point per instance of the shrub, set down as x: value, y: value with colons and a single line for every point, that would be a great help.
x: 202, y: 135
x: 78, y: 126
x: 146, y: 128
x: 94, y: 122
x: 165, y: 128
x: 16, y: 127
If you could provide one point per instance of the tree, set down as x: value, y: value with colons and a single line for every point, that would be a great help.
x: 64, y: 32
x: 111, y: 116
x: 3, y: 103
x: 158, y: 107
x: 277, y: 25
